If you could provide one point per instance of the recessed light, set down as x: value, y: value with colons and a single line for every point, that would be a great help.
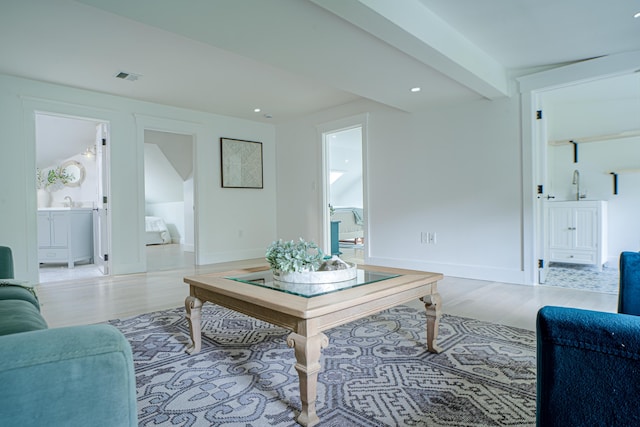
x: 637, y: 15
x: 415, y: 89
x: 256, y: 110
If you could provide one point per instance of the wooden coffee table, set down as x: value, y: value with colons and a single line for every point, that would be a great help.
x: 308, y: 310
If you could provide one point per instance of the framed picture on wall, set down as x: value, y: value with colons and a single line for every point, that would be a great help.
x: 241, y: 163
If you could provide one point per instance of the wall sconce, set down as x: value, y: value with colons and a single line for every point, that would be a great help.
x: 89, y: 152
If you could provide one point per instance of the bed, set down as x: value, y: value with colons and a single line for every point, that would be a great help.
x: 156, y: 231
x: 351, y: 228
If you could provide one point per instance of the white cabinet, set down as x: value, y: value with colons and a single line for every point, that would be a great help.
x: 577, y: 232
x: 65, y: 235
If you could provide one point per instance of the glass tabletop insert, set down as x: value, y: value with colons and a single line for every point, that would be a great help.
x: 265, y: 279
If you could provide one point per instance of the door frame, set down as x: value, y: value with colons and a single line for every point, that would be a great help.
x: 145, y: 122
x: 534, y: 143
x: 105, y: 268
x: 325, y: 129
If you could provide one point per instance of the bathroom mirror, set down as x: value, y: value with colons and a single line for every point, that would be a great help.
x: 74, y: 169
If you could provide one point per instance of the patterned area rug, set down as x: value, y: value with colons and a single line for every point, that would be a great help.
x: 583, y: 277
x: 375, y: 372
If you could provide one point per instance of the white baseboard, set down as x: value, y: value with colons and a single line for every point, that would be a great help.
x: 228, y: 256
x: 503, y: 275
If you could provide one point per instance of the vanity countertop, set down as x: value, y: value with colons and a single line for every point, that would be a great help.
x: 63, y: 208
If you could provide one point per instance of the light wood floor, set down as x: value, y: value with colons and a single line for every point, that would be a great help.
x: 98, y: 299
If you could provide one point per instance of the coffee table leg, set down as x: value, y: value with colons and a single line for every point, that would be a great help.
x: 193, y: 306
x: 433, y: 305
x: 307, y: 351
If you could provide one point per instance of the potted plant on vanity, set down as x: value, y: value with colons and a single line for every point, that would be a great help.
x: 304, y: 262
x: 54, y: 180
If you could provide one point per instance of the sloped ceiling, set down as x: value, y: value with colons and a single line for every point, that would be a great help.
x: 178, y: 149
x: 60, y: 138
x: 293, y: 57
x: 162, y: 182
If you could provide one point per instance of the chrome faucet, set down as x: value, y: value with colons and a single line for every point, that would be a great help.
x: 576, y: 182
x: 70, y: 202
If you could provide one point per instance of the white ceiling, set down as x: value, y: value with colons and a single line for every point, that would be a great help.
x: 523, y: 34
x: 294, y: 57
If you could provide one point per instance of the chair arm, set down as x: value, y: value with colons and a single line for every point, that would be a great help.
x: 74, y: 376
x: 588, y: 368
x: 629, y: 291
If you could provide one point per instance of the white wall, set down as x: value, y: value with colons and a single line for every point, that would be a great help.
x: 164, y: 191
x: 599, y: 117
x: 232, y: 224
x: 454, y: 171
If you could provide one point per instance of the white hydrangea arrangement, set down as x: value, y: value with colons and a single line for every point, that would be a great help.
x: 292, y: 256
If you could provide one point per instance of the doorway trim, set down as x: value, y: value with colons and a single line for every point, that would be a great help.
x: 193, y: 129
x: 101, y: 259
x: 361, y: 121
x: 31, y: 106
x: 533, y: 142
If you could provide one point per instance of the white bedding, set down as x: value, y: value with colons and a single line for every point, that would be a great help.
x: 157, y: 232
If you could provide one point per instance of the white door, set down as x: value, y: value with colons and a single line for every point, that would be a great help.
x: 101, y: 213
x: 543, y: 198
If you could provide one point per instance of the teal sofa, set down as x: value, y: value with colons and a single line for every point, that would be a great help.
x: 73, y: 376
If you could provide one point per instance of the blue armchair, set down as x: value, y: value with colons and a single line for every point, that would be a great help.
x: 629, y: 292
x: 589, y: 361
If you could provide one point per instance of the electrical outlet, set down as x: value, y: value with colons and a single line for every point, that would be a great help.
x: 428, y: 238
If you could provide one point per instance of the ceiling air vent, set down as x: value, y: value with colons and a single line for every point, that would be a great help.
x: 128, y: 76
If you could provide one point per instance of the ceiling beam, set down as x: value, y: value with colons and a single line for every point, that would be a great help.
x: 412, y: 28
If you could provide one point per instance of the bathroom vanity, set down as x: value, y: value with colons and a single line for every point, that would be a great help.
x: 577, y: 232
x: 65, y: 235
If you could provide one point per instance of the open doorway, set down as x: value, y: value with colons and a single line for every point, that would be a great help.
x: 72, y: 222
x: 591, y: 180
x: 169, y: 200
x: 345, y: 192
